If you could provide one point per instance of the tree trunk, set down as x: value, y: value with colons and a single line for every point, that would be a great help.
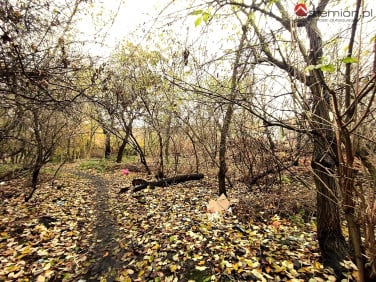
x: 165, y: 182
x: 253, y: 179
x: 194, y: 151
x: 167, y: 140
x: 69, y: 157
x: 160, y: 172
x: 107, y: 150
x: 222, y: 150
x: 228, y: 115
x: 34, y: 182
x: 141, y: 153
x: 331, y: 240
x: 120, y: 153
x: 369, y: 233
x: 128, y: 131
x: 91, y: 141
x: 332, y: 243
x: 38, y: 163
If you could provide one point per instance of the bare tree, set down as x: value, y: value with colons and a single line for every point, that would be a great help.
x: 39, y: 74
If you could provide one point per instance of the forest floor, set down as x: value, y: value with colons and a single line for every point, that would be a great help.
x: 80, y: 228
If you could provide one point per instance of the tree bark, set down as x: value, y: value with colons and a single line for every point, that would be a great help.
x: 167, y: 139
x: 228, y: 114
x: 272, y: 170
x: 134, y: 143
x: 38, y: 162
x: 160, y: 172
x: 120, y: 153
x: 332, y: 243
x: 124, y: 142
x: 34, y: 182
x: 165, y: 182
x: 107, y: 150
x: 194, y: 150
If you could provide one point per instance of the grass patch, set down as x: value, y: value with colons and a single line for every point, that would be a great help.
x: 9, y: 171
x: 93, y: 164
x: 6, y: 168
x: 100, y: 165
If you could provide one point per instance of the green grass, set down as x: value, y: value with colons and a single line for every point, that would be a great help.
x: 5, y: 169
x: 95, y: 164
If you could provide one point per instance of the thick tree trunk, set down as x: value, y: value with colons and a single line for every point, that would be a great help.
x: 39, y: 161
x: 222, y: 150
x: 369, y: 233
x: 124, y: 142
x: 331, y: 240
x: 333, y: 246
x: 107, y: 150
x: 120, y: 153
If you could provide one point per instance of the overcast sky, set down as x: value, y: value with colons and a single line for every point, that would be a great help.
x: 109, y: 21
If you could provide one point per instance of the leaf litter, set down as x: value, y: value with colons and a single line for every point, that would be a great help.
x: 162, y: 234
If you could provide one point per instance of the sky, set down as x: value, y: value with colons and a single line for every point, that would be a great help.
x: 135, y: 19
x: 107, y: 22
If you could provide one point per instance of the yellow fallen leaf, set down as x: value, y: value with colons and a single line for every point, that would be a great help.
x: 173, y: 267
x: 201, y: 268
x: 268, y: 269
x: 257, y: 274
x: 318, y: 265
x: 41, y: 278
x: 47, y: 266
x: 176, y: 257
x: 278, y: 268
x: 196, y: 257
x: 355, y: 274
x: 124, y: 279
x: 4, y: 235
x: 12, y: 268
x: 42, y: 253
x: 48, y: 274
x: 26, y: 250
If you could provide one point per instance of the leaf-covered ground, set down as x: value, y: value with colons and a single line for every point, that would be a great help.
x: 81, y: 229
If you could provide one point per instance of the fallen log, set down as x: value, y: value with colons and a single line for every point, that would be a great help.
x: 164, y: 182
x: 273, y: 170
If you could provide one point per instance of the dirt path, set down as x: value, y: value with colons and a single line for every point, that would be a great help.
x: 103, y: 256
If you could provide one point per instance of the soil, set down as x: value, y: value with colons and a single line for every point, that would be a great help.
x: 104, y: 262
